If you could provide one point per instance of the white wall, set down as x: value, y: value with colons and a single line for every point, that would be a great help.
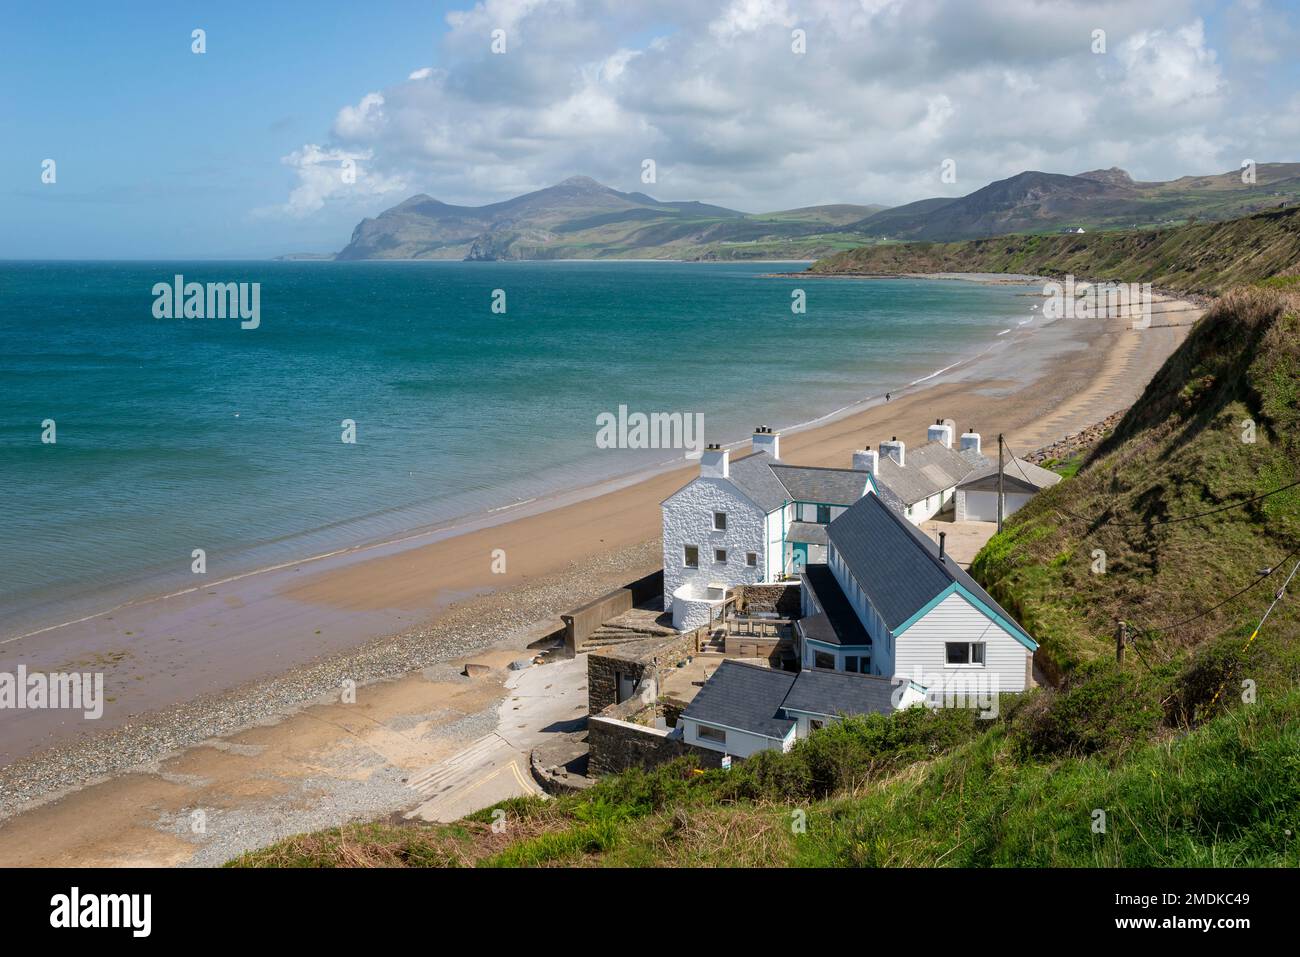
x: 974, y: 506
x: 740, y: 744
x: 928, y: 508
x: 920, y: 649
x: 688, y: 520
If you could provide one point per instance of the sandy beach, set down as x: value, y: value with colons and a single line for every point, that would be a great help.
x: 188, y: 674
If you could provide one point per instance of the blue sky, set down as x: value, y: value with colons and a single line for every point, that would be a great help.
x: 162, y: 153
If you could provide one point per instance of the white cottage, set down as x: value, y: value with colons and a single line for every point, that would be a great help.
x: 757, y: 519
x: 924, y: 481
x: 977, y: 495
x: 746, y: 708
x: 890, y: 602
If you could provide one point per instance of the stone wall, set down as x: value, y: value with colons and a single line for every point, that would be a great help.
x: 635, y: 659
x: 617, y: 746
x: 583, y: 620
x: 782, y: 598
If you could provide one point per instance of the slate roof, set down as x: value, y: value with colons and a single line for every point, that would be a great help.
x: 1026, y: 475
x: 753, y: 698
x: 806, y: 483
x: 744, y: 696
x: 753, y: 476
x: 809, y: 532
x: 930, y: 469
x: 838, y: 624
x: 897, y: 565
x: 820, y: 691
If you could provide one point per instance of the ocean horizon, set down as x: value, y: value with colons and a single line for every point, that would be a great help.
x: 176, y: 434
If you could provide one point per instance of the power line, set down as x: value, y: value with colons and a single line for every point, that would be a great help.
x: 1254, y: 634
x: 1237, y: 594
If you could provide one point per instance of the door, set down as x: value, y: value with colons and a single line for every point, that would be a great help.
x: 799, y: 557
x: 626, y: 686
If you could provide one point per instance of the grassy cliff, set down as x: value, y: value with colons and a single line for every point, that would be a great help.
x: 1200, y: 258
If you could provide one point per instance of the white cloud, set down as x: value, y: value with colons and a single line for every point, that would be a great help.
x: 326, y: 174
x: 886, y: 91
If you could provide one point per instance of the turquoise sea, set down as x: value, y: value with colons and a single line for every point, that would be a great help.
x: 176, y: 434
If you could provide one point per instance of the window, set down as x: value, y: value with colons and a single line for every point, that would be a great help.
x: 823, y: 659
x: 720, y: 556
x: 964, y: 653
x: 751, y: 559
x: 705, y: 733
x: 851, y: 663
x: 719, y: 521
x: 816, y: 724
x: 691, y: 556
x: 823, y: 514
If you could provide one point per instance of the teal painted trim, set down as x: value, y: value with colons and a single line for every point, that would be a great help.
x: 925, y: 610
x: 1014, y: 630
x: 1011, y: 627
x: 813, y: 642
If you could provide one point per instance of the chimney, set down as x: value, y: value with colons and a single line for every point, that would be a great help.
x: 867, y: 459
x: 896, y: 450
x: 715, y: 462
x: 970, y: 440
x: 940, y: 432
x: 942, y: 536
x: 765, y: 440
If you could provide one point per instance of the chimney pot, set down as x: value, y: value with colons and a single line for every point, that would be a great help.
x: 715, y: 462
x: 942, y: 536
x: 766, y: 440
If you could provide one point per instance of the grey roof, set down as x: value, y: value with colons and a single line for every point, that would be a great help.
x: 898, y: 566
x: 930, y: 468
x: 809, y: 532
x: 838, y: 623
x: 755, y: 699
x: 806, y: 483
x: 1027, y: 475
x: 753, y: 477
x: 820, y: 691
x: 744, y: 696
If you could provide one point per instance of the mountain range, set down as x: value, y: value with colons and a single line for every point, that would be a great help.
x: 580, y: 218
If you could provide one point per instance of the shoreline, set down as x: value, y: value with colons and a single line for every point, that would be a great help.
x: 611, y: 532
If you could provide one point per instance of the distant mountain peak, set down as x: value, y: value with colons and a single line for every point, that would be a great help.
x: 1111, y: 177
x: 585, y: 182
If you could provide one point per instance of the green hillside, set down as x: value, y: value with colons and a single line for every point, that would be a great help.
x: 1203, y: 257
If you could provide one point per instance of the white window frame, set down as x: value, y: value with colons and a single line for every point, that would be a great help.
x: 751, y: 559
x: 716, y: 526
x: 720, y: 732
x: 716, y: 559
x: 686, y: 562
x: 970, y: 661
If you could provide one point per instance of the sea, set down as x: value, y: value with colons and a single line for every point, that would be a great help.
x: 129, y: 441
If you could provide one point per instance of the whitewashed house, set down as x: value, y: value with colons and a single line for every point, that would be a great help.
x: 924, y: 481
x: 757, y: 519
x: 745, y: 708
x: 889, y: 602
x: 977, y: 495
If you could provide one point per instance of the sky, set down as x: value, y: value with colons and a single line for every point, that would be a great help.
x: 299, y: 119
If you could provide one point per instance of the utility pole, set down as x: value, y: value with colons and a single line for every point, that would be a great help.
x: 1121, y: 638
x: 1000, y: 481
